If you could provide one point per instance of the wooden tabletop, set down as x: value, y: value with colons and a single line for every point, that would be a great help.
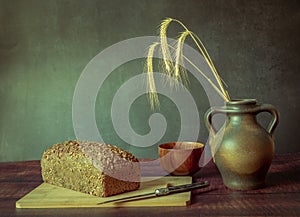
x: 280, y: 197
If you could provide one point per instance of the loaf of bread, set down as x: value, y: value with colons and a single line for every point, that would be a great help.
x: 89, y: 167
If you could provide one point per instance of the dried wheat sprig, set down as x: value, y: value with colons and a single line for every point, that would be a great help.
x: 152, y: 93
x: 178, y: 72
x: 164, y: 45
x: 206, y: 56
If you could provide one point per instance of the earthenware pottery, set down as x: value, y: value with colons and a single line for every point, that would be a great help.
x: 242, y: 149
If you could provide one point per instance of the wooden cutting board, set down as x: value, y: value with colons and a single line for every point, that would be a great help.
x: 50, y: 196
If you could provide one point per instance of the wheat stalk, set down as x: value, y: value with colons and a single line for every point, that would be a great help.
x: 207, y: 58
x: 213, y: 68
x: 178, y: 71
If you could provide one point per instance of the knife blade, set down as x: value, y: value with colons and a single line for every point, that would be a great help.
x: 162, y: 192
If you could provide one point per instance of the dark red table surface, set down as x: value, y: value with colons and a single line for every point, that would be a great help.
x: 280, y: 197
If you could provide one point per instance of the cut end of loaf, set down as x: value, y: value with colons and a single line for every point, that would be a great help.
x: 89, y: 167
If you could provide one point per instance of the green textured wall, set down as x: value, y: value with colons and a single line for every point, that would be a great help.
x: 45, y: 45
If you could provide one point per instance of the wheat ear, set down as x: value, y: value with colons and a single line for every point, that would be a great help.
x: 180, y: 72
x: 152, y: 93
x: 164, y: 46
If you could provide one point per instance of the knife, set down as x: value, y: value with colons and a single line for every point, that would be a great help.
x: 162, y: 192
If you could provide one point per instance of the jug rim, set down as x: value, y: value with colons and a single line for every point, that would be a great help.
x: 241, y: 102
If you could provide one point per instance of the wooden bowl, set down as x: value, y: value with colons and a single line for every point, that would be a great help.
x: 180, y: 158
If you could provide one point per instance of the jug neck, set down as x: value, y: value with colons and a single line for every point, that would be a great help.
x: 241, y: 110
x: 240, y: 117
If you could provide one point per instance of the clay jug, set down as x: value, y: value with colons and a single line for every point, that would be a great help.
x: 242, y: 149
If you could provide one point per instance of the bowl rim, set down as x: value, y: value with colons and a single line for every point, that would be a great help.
x: 172, y: 145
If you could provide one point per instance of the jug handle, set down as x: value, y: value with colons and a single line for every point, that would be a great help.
x: 208, y: 120
x: 275, y: 116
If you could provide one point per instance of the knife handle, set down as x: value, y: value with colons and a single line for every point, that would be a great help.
x: 180, y: 188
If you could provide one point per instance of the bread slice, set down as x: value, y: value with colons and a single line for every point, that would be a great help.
x: 89, y: 167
